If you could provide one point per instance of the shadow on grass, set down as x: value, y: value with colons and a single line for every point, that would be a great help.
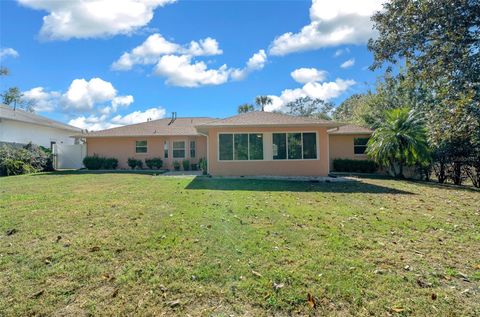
x: 82, y: 171
x: 205, y: 183
x: 447, y: 186
x: 431, y: 183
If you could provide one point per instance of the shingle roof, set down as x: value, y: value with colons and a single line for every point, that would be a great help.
x: 261, y: 118
x: 161, y: 127
x: 8, y: 113
x: 350, y: 129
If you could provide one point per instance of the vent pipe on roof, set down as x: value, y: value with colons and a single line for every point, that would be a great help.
x: 174, y: 117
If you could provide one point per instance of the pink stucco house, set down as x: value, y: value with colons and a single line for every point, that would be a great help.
x: 253, y: 143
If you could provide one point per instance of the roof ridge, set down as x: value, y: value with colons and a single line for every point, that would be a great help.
x: 145, y: 122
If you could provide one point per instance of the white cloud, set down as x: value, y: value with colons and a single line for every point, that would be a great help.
x: 332, y: 23
x: 120, y: 101
x: 256, y: 62
x: 178, y: 64
x: 348, y: 63
x: 82, y: 95
x: 92, y: 123
x: 95, y: 102
x: 42, y: 100
x: 306, y: 75
x: 94, y: 95
x: 93, y: 18
x: 341, y: 51
x: 325, y: 91
x: 205, y: 47
x: 140, y: 116
x: 95, y: 123
x: 8, y: 51
x: 182, y: 71
x: 156, y: 46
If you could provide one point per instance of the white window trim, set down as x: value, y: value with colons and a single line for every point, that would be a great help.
x: 165, y: 142
x: 301, y: 133
x: 190, y: 149
x: 264, y: 133
x: 233, y: 144
x: 143, y: 153
x: 184, y: 149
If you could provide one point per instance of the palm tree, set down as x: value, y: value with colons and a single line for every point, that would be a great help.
x: 399, y: 141
x: 262, y: 101
x: 246, y: 107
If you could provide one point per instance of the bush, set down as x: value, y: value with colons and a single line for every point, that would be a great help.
x: 24, y: 160
x: 154, y: 163
x: 194, y: 167
x: 354, y: 166
x: 186, y: 165
x: 93, y: 162
x: 176, y: 165
x: 134, y: 163
x: 203, y: 166
x: 96, y: 162
x: 40, y: 160
x: 110, y: 163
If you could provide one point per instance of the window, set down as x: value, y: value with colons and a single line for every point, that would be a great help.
x: 141, y: 146
x: 294, y: 146
x: 178, y: 149
x: 279, y: 146
x: 165, y: 149
x: 225, y: 144
x: 360, y: 145
x: 240, y: 147
x: 309, y: 145
x: 193, y: 148
x: 255, y: 147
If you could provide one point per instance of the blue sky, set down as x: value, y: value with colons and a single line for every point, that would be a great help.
x: 66, y: 56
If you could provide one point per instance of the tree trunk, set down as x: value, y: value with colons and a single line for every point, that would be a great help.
x: 457, y: 173
x: 441, y: 175
x: 400, y: 173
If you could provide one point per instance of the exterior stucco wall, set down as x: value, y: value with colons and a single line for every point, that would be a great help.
x: 341, y: 146
x: 22, y: 132
x: 123, y: 148
x: 268, y: 166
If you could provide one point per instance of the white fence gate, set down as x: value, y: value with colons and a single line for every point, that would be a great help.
x: 69, y: 156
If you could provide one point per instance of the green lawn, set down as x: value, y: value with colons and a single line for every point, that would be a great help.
x: 131, y: 244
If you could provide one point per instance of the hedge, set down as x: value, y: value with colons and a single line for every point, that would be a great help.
x: 96, y: 162
x: 154, y: 163
x: 134, y: 163
x: 354, y: 166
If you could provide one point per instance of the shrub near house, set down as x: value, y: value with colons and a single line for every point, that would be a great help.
x: 186, y: 165
x: 96, y: 162
x: 154, y: 163
x: 354, y: 166
x: 24, y: 160
x: 134, y: 163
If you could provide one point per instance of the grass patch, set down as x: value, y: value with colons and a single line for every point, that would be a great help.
x: 139, y: 244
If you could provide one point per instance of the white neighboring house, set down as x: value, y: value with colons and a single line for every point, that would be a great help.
x: 19, y: 126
